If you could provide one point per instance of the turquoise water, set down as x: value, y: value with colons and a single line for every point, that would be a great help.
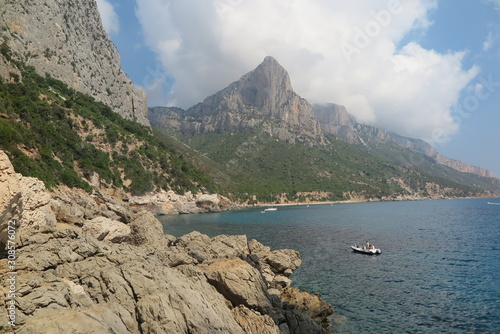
x: 439, y: 271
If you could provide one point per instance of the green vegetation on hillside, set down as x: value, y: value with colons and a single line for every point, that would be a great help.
x: 62, y: 136
x: 255, y: 164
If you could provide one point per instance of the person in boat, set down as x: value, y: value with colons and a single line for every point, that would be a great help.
x: 368, y: 245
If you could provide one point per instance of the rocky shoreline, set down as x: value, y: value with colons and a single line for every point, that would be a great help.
x: 95, y: 264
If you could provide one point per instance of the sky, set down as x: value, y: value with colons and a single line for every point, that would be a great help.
x: 426, y: 69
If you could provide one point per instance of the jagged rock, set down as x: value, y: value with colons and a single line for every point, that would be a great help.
x: 36, y: 204
x: 297, y: 322
x: 240, y: 283
x: 201, y: 247
x: 67, y: 41
x: 139, y: 293
x: 10, y: 195
x: 91, y: 320
x: 283, y: 261
x: 74, y: 206
x: 23, y: 200
x: 147, y: 230
x: 103, y: 228
x: 67, y: 275
x: 186, y: 305
x: 257, y: 248
x: 254, y: 322
x: 317, y: 308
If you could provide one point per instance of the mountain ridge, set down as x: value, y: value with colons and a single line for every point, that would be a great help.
x: 334, y: 119
x: 264, y: 99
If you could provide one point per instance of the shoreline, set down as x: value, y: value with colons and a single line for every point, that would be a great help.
x: 316, y: 203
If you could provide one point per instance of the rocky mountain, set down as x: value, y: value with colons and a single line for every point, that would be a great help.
x: 254, y: 128
x: 66, y: 40
x: 335, y: 120
x: 262, y: 98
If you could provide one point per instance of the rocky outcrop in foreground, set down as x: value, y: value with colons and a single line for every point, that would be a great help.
x: 103, y: 268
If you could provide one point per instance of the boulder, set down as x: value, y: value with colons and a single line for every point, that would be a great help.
x: 240, y: 283
x: 313, y: 305
x: 283, y: 261
x: 36, y: 204
x: 202, y: 247
x: 103, y: 228
x: 253, y: 322
x: 146, y: 230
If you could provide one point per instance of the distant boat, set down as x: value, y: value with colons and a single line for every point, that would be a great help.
x: 270, y: 208
x: 492, y: 203
x: 370, y: 250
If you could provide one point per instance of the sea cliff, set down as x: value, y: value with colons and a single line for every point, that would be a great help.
x: 78, y: 267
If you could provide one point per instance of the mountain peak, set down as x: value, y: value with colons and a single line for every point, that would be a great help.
x: 270, y: 60
x: 269, y: 75
x: 263, y: 98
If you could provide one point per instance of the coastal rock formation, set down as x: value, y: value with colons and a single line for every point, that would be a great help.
x: 67, y: 41
x: 110, y: 270
x: 23, y: 200
x: 168, y: 202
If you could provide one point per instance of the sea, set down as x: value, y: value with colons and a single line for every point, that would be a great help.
x: 439, y: 270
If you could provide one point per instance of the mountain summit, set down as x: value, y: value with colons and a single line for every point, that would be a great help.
x: 268, y: 87
x: 262, y: 98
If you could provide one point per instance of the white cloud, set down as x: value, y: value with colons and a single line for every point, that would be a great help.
x: 109, y: 17
x: 494, y: 3
x: 488, y: 43
x: 335, y: 51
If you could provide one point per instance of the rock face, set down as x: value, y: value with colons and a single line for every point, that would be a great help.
x: 102, y: 268
x: 67, y: 40
x: 262, y: 98
x: 23, y: 200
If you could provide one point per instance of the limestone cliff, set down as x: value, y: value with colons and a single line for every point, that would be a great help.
x: 89, y: 264
x: 66, y: 40
x: 261, y: 99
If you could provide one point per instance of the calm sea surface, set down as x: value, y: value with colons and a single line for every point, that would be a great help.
x: 439, y: 271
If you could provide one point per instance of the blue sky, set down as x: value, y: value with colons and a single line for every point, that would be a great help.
x: 421, y: 68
